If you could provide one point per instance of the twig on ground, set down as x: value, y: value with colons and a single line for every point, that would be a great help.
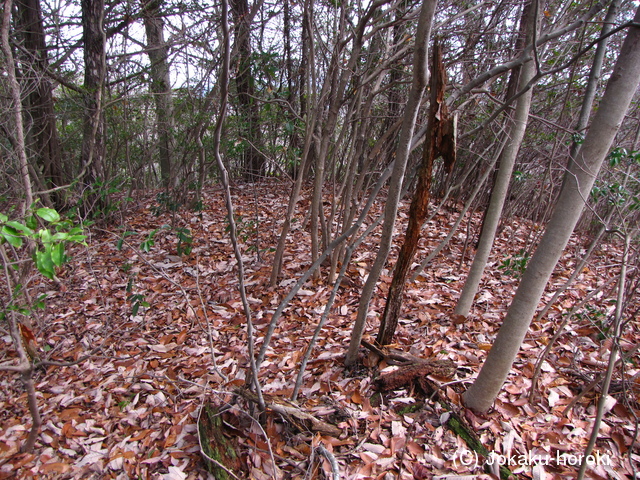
x: 335, y: 471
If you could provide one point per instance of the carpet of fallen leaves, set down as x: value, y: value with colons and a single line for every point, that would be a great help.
x: 165, y: 333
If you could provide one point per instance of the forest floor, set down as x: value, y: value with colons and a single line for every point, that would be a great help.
x: 165, y: 334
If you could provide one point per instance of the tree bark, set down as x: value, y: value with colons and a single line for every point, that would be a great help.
x: 16, y: 108
x: 92, y: 155
x: 46, y: 145
x: 255, y: 161
x: 594, y: 79
x: 160, y: 87
x: 439, y: 141
x: 307, y: 52
x: 517, y: 128
x: 24, y: 366
x: 420, y: 76
x: 614, y: 104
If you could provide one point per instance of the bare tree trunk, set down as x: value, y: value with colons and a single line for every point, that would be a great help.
x: 328, y: 128
x: 310, y: 127
x: 356, y: 167
x: 160, y: 87
x: 396, y: 73
x: 251, y: 128
x: 614, y: 104
x: 439, y: 142
x: 594, y: 78
x: 24, y: 366
x: 478, y: 187
x: 46, y: 145
x: 16, y: 100
x: 224, y: 177
x: 420, y: 77
x: 294, y: 87
x: 516, y: 130
x: 324, y: 120
x: 307, y: 56
x: 92, y: 156
x: 336, y: 87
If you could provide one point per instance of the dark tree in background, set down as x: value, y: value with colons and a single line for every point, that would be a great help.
x: 43, y: 132
x: 249, y: 108
x: 160, y: 87
x: 92, y: 155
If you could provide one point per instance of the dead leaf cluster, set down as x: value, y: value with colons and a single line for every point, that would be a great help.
x: 129, y: 410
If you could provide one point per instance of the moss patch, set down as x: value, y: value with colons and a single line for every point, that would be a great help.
x: 218, y: 445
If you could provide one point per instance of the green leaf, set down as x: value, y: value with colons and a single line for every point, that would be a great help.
x: 45, y: 235
x: 31, y: 222
x: 146, y: 245
x: 288, y: 127
x: 121, y: 240
x: 57, y: 254
x: 48, y: 214
x: 3, y: 218
x: 18, y: 226
x: 60, y: 237
x: 77, y: 238
x: 11, y: 236
x: 44, y: 263
x: 40, y: 304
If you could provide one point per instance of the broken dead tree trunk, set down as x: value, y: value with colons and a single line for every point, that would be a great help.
x: 440, y: 141
x: 415, y: 375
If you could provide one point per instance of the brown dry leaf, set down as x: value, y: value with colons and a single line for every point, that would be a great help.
x: 508, y: 410
x: 55, y: 467
x: 182, y: 336
x: 133, y: 402
x: 29, y: 341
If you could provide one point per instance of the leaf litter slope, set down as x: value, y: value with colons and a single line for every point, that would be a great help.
x: 130, y: 409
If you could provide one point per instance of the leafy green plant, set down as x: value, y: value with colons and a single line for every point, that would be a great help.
x: 48, y: 241
x: 515, y: 265
x: 120, y: 241
x: 39, y: 240
x: 126, y: 267
x: 41, y: 237
x: 149, y: 242
x: 198, y: 206
x: 520, y: 176
x: 99, y: 201
x: 185, y: 241
x: 621, y: 189
x: 598, y: 318
x: 244, y: 227
x: 137, y: 300
x: 165, y: 203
